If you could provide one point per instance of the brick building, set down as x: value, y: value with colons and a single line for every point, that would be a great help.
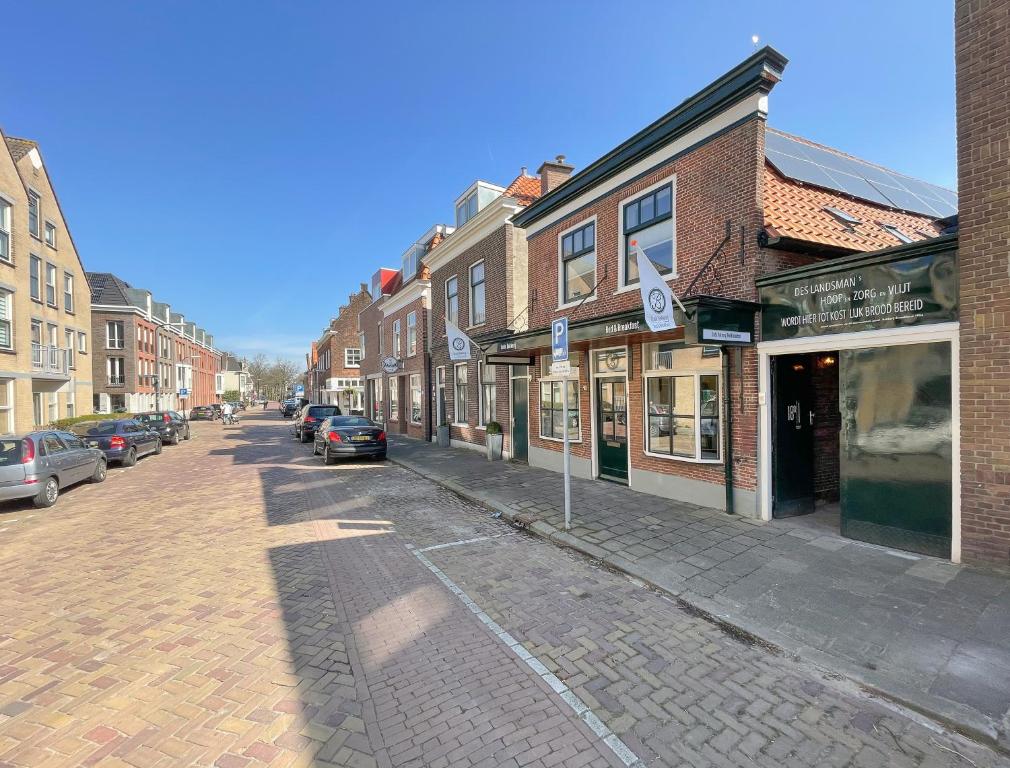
x: 721, y: 204
x: 479, y: 280
x: 335, y: 375
x: 983, y: 152
x: 45, y: 315
x: 145, y: 355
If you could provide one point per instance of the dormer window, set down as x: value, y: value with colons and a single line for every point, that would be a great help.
x: 466, y: 209
x: 895, y: 232
x: 847, y: 219
x: 410, y: 261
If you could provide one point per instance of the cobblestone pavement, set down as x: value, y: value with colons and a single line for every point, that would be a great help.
x: 925, y: 630
x: 235, y: 603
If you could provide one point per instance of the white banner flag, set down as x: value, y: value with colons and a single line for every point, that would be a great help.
x: 657, y: 298
x: 459, y: 342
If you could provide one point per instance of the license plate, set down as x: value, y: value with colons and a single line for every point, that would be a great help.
x: 92, y: 444
x: 360, y: 439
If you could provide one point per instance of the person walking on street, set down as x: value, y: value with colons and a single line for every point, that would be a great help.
x: 226, y: 411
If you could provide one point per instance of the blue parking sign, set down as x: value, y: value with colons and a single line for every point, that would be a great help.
x: 559, y: 340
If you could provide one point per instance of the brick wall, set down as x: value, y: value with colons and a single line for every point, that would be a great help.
x: 411, y: 364
x: 983, y: 147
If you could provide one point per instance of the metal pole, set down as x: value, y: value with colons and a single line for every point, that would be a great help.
x: 568, y: 467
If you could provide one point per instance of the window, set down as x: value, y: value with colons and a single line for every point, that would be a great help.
x: 352, y: 357
x: 394, y: 399
x: 411, y: 333
x: 682, y: 402
x: 467, y: 209
x: 68, y: 292
x: 578, y: 263
x: 50, y: 234
x: 361, y: 348
x: 381, y: 345
x: 6, y: 320
x: 69, y: 337
x: 6, y: 406
x: 649, y: 221
x: 844, y: 217
x: 54, y: 409
x: 452, y: 300
x: 376, y: 398
x: 410, y: 260
x: 552, y: 410
x: 37, y: 333
x: 114, y: 334
x: 459, y: 415
x: 396, y: 338
x: 5, y: 232
x: 33, y: 213
x: 35, y: 272
x: 895, y: 232
x: 51, y: 285
x: 415, y: 398
x: 488, y: 393
x: 477, y: 294
x: 71, y: 410
x: 440, y: 395
x: 82, y: 342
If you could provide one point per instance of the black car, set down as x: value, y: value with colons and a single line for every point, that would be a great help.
x: 348, y: 437
x: 172, y: 426
x: 289, y: 408
x: 200, y: 412
x: 309, y: 419
x: 122, y: 440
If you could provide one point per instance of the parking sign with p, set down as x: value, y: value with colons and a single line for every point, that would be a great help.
x: 559, y: 339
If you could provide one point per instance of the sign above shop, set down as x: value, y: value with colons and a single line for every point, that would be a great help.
x: 390, y: 364
x: 861, y: 295
x: 517, y: 359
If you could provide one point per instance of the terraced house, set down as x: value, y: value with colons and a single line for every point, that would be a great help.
x: 335, y: 374
x: 45, y: 314
x: 840, y: 398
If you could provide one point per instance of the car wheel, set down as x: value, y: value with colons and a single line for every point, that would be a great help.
x: 327, y: 456
x: 101, y: 471
x: 176, y: 439
x: 157, y: 448
x: 187, y: 433
x: 131, y: 458
x: 48, y: 493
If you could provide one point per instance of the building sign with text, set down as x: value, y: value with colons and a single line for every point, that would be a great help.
x: 892, y: 294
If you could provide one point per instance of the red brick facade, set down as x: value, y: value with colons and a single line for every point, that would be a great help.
x: 983, y: 146
x: 331, y: 354
x: 409, y: 420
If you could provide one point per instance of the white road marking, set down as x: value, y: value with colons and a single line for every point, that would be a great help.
x: 462, y: 541
x: 579, y: 707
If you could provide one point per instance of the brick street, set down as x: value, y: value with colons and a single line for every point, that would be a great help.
x: 233, y: 602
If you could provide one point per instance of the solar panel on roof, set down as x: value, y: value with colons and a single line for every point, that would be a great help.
x: 851, y: 176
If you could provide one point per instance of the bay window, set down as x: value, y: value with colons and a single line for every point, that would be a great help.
x: 682, y: 401
x: 578, y: 263
x: 649, y: 221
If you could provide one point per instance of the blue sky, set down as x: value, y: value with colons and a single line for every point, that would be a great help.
x: 252, y: 162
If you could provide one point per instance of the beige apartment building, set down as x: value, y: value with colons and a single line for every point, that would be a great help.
x: 45, y: 310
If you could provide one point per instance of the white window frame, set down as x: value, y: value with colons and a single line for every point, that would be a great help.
x: 9, y: 318
x: 349, y: 361
x: 37, y: 198
x: 415, y: 391
x: 439, y: 389
x: 110, y: 369
x: 455, y: 395
x: 47, y: 227
x: 52, y: 271
x: 393, y: 398
x: 82, y: 343
x: 622, y: 287
x: 68, y: 295
x: 412, y: 333
x: 561, y: 264
x: 696, y: 374
x: 109, y: 324
x: 68, y: 338
x: 482, y: 387
x: 6, y: 215
x: 396, y: 338
x: 483, y: 282
x: 577, y: 380
x: 451, y: 279
x: 7, y: 411
x: 35, y: 262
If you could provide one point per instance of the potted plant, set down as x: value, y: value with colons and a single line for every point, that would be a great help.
x: 442, y: 430
x: 493, y: 439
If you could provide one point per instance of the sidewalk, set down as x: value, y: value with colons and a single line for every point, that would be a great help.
x: 933, y: 635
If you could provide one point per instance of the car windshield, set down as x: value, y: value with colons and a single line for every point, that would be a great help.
x: 351, y: 421
x: 94, y: 428
x: 10, y: 452
x: 322, y: 411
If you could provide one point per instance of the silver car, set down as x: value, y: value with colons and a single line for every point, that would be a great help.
x: 41, y: 464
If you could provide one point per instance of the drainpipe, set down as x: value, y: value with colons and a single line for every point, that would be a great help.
x: 728, y: 425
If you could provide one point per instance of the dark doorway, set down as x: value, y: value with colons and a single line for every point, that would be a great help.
x: 793, y: 435
x: 612, y: 428
x: 520, y: 434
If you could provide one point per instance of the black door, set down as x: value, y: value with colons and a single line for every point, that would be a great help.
x: 792, y: 436
x: 520, y: 414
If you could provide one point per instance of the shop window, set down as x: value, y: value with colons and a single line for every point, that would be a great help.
x: 648, y: 220
x: 415, y: 398
x: 552, y: 417
x: 578, y: 263
x: 682, y: 402
x: 459, y: 380
x: 394, y: 399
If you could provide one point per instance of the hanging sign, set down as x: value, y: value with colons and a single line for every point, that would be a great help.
x: 459, y: 342
x: 657, y: 297
x: 390, y: 364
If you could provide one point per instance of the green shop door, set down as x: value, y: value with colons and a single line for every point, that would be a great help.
x: 612, y: 428
x: 895, y: 446
x: 520, y: 413
x: 793, y: 436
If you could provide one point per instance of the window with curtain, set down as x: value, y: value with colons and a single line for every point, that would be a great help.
x: 578, y: 263
x: 649, y: 221
x: 459, y: 380
x: 477, y: 302
x: 488, y: 393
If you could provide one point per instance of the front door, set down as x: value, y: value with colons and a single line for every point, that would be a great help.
x: 520, y: 413
x: 793, y: 436
x: 612, y: 428
x: 895, y: 446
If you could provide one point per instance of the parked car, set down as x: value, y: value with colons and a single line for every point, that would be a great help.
x: 122, y: 440
x: 172, y: 426
x: 348, y: 437
x: 309, y: 419
x: 289, y: 408
x: 41, y: 464
x: 218, y: 410
x: 201, y: 412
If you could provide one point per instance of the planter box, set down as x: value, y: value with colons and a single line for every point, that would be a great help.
x: 442, y: 436
x: 494, y: 446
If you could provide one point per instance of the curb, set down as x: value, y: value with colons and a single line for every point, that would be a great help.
x: 953, y: 716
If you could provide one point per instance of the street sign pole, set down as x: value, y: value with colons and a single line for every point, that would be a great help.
x: 568, y: 461
x: 561, y: 366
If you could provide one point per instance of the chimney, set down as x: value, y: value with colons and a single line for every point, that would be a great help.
x: 364, y: 287
x: 554, y: 173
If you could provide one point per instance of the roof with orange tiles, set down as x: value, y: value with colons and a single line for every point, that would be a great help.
x: 798, y: 211
x: 525, y: 189
x: 19, y: 147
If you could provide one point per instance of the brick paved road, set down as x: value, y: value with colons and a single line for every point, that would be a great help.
x: 265, y: 610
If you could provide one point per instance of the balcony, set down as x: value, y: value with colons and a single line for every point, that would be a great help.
x: 116, y: 381
x: 50, y: 361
